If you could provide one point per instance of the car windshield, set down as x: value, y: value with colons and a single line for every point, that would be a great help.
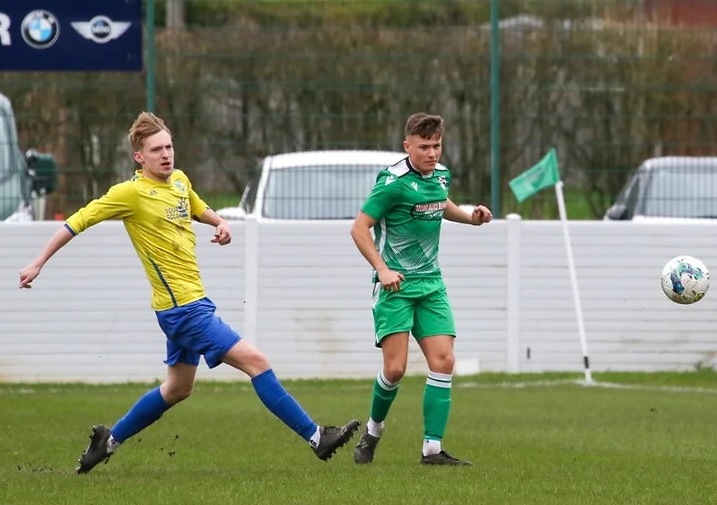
x: 687, y: 192
x: 320, y: 192
x: 11, y: 163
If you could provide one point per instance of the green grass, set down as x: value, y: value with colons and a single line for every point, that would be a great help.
x: 550, y: 442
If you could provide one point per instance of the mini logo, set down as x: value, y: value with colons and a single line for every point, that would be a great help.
x: 414, y: 185
x: 442, y: 181
x: 180, y: 186
x: 152, y: 192
x: 40, y: 29
x: 389, y: 180
x: 101, y: 29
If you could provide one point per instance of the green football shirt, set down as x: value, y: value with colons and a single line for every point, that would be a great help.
x: 408, y: 209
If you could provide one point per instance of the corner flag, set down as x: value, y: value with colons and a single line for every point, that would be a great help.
x: 533, y: 180
x: 542, y: 175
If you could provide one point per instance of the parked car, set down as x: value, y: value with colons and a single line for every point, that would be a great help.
x: 671, y: 187
x: 329, y: 184
x: 25, y: 179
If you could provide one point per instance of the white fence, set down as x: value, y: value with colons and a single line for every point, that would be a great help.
x: 301, y: 292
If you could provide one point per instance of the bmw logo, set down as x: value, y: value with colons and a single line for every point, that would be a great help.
x: 40, y: 29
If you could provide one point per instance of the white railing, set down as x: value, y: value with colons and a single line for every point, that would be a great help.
x: 301, y: 292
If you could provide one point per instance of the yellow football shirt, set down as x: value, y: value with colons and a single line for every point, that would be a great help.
x: 158, y: 219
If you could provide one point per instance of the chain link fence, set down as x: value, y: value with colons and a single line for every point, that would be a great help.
x: 608, y: 83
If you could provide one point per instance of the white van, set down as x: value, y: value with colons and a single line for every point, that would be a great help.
x: 25, y: 179
x: 312, y: 185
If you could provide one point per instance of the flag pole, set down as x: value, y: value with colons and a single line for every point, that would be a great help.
x: 573, y: 279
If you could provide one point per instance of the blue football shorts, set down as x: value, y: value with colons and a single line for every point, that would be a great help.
x: 194, y: 330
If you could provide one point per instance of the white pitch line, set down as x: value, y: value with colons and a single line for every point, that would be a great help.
x: 571, y: 382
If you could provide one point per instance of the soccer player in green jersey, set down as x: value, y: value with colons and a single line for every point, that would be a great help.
x: 405, y: 210
x: 157, y: 207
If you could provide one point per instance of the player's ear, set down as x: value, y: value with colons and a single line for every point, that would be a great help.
x: 405, y: 145
x: 138, y: 157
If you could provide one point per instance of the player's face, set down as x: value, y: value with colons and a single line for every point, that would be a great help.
x: 156, y: 157
x: 423, y: 153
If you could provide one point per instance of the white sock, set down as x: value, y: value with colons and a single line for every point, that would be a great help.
x: 431, y: 447
x: 315, y: 438
x: 112, y: 444
x: 374, y: 428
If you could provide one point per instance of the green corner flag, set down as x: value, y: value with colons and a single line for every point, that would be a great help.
x: 542, y: 175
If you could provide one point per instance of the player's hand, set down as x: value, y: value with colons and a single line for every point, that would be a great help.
x: 28, y: 274
x: 481, y: 214
x: 390, y: 280
x: 222, y: 235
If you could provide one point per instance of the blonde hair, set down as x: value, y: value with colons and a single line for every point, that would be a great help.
x: 146, y: 125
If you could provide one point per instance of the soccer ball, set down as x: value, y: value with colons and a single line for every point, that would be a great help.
x: 685, y: 280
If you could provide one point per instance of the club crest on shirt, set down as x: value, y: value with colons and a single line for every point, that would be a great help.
x: 442, y: 181
x: 180, y: 186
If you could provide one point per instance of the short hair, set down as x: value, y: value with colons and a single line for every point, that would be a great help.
x: 146, y: 125
x: 424, y: 125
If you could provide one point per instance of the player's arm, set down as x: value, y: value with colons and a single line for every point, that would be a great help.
x: 361, y: 234
x: 56, y: 242
x: 202, y: 213
x: 377, y: 205
x: 222, y: 234
x: 481, y: 214
x: 117, y: 203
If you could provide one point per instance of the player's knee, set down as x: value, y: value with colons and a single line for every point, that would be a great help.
x: 259, y: 361
x: 394, y: 372
x: 442, y: 362
x: 175, y: 393
x: 254, y: 362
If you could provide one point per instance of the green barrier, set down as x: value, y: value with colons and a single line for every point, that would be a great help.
x: 43, y: 171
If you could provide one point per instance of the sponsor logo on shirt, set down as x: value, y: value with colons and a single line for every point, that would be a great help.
x: 429, y: 210
x: 181, y: 211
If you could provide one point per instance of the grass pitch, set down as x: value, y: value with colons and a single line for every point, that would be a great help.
x: 534, y: 439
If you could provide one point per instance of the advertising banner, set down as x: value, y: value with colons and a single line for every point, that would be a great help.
x: 86, y: 35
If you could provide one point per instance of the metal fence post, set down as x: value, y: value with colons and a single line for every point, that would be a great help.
x: 495, y: 108
x: 150, y: 56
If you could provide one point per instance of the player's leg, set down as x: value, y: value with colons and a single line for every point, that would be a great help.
x: 104, y: 442
x: 324, y: 440
x: 394, y: 348
x: 393, y: 317
x: 176, y: 387
x: 435, y: 331
x: 219, y: 343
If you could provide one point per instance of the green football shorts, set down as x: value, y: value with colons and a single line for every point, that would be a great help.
x: 421, y: 306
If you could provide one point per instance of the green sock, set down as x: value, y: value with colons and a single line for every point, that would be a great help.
x: 436, y: 405
x: 384, y: 392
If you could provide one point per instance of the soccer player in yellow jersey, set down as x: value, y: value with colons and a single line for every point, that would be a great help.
x: 157, y: 206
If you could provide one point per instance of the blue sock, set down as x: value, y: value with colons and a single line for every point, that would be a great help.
x: 282, y: 404
x: 147, y: 410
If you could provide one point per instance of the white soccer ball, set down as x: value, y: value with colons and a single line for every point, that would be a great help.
x: 685, y: 280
